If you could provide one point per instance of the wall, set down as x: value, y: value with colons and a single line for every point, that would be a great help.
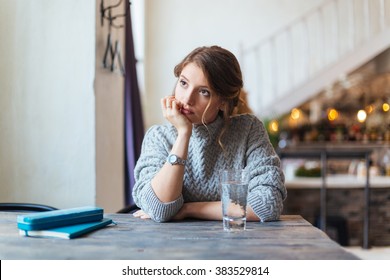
x: 175, y: 27
x: 383, y: 62
x: 47, y: 122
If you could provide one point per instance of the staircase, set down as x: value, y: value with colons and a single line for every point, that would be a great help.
x: 310, y: 54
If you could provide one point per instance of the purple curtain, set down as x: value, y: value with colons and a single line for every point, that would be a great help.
x: 134, y: 128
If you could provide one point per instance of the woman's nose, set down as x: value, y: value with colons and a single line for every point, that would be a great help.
x: 188, y: 98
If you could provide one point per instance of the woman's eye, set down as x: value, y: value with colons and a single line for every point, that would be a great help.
x: 204, y: 92
x: 183, y: 83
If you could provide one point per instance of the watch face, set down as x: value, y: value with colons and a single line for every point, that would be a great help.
x: 172, y: 159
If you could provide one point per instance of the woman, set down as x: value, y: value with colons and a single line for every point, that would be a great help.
x: 177, y: 173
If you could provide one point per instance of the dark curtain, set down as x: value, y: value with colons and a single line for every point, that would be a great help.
x: 134, y: 128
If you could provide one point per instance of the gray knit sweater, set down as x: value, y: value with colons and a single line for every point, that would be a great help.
x: 246, y: 145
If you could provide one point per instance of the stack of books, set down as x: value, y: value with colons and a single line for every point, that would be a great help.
x: 65, y: 223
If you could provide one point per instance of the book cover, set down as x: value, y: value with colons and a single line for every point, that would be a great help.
x: 59, y: 218
x: 67, y: 232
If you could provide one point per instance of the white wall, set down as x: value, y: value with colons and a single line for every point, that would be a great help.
x: 47, y: 129
x: 175, y: 27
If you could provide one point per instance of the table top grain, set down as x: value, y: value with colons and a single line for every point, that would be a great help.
x: 292, y: 237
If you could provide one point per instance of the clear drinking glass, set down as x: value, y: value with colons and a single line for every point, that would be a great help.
x: 234, y: 187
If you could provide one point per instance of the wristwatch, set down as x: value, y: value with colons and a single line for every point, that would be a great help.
x: 174, y: 160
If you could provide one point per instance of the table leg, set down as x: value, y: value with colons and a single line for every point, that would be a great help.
x: 366, y: 205
x: 323, y: 192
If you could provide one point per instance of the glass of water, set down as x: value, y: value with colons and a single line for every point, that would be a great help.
x: 234, y: 186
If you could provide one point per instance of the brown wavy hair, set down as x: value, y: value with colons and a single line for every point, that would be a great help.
x: 223, y: 73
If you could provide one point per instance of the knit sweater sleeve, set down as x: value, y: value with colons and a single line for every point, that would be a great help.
x: 155, y: 149
x: 266, y: 185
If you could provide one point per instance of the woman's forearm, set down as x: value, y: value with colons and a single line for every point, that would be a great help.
x: 168, y: 182
x: 208, y: 211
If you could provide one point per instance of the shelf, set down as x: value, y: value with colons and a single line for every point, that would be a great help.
x: 342, y: 181
x: 332, y: 149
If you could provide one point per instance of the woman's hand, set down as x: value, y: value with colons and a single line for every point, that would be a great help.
x: 141, y: 214
x: 171, y: 111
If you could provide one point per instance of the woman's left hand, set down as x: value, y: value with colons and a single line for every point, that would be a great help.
x: 141, y: 214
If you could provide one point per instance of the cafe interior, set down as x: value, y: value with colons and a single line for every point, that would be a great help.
x: 317, y: 73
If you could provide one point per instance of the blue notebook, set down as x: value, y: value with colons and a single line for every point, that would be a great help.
x: 67, y: 232
x: 59, y: 218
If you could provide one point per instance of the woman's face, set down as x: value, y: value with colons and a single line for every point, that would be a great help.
x: 194, y: 95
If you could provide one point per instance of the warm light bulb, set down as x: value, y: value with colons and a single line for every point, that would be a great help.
x: 295, y: 114
x: 369, y: 109
x: 385, y: 107
x: 333, y: 114
x: 274, y: 126
x: 361, y: 116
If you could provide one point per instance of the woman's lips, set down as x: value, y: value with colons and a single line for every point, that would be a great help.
x: 185, y: 111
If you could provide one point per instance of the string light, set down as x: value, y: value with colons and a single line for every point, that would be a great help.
x: 369, y: 109
x: 295, y: 114
x: 273, y: 126
x: 361, y: 116
x: 333, y: 114
x: 385, y: 107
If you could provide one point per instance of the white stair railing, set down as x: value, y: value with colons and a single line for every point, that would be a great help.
x: 277, y: 69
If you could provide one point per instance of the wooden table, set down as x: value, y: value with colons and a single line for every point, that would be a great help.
x: 290, y: 238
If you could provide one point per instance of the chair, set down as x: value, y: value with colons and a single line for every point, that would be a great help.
x: 29, y: 207
x: 128, y: 209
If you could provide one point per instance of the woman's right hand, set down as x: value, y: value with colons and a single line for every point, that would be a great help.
x: 167, y: 184
x: 171, y: 111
